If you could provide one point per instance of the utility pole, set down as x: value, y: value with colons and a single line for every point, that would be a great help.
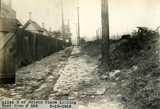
x: 97, y: 35
x: 68, y: 24
x: 0, y: 8
x: 78, y: 24
x: 105, y: 32
x: 62, y: 15
x: 10, y: 3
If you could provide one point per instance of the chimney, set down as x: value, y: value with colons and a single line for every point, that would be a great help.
x: 30, y: 15
x: 43, y: 25
x: 50, y: 29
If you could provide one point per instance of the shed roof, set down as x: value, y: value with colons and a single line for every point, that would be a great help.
x: 45, y: 32
x: 32, y: 26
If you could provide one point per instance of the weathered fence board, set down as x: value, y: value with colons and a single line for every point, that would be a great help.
x: 21, y: 47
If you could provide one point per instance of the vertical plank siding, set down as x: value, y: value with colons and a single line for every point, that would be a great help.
x: 20, y: 47
x: 32, y: 47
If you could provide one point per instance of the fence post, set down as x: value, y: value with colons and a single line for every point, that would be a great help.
x: 7, y: 50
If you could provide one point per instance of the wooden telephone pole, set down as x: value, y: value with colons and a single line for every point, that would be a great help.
x: 62, y: 15
x: 78, y: 25
x: 0, y: 7
x: 10, y: 3
x: 105, y: 32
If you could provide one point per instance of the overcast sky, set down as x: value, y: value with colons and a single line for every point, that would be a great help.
x: 125, y: 15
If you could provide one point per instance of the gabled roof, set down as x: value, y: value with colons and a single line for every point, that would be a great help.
x: 32, y: 26
x: 45, y: 32
x: 18, y: 22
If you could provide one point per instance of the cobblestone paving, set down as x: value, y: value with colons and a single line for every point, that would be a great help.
x: 79, y: 80
x: 63, y: 75
x: 79, y: 72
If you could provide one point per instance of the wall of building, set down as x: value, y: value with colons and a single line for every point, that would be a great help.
x: 7, y: 11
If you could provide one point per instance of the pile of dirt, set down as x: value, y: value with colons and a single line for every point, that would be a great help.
x: 128, y: 51
x: 137, y: 59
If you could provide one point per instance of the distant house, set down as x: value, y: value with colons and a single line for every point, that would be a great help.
x: 45, y: 32
x: 33, y: 27
x: 58, y: 34
x: 55, y: 34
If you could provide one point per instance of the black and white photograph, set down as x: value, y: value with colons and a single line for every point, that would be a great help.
x: 79, y: 54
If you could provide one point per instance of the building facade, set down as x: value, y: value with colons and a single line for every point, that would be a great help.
x: 6, y: 9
